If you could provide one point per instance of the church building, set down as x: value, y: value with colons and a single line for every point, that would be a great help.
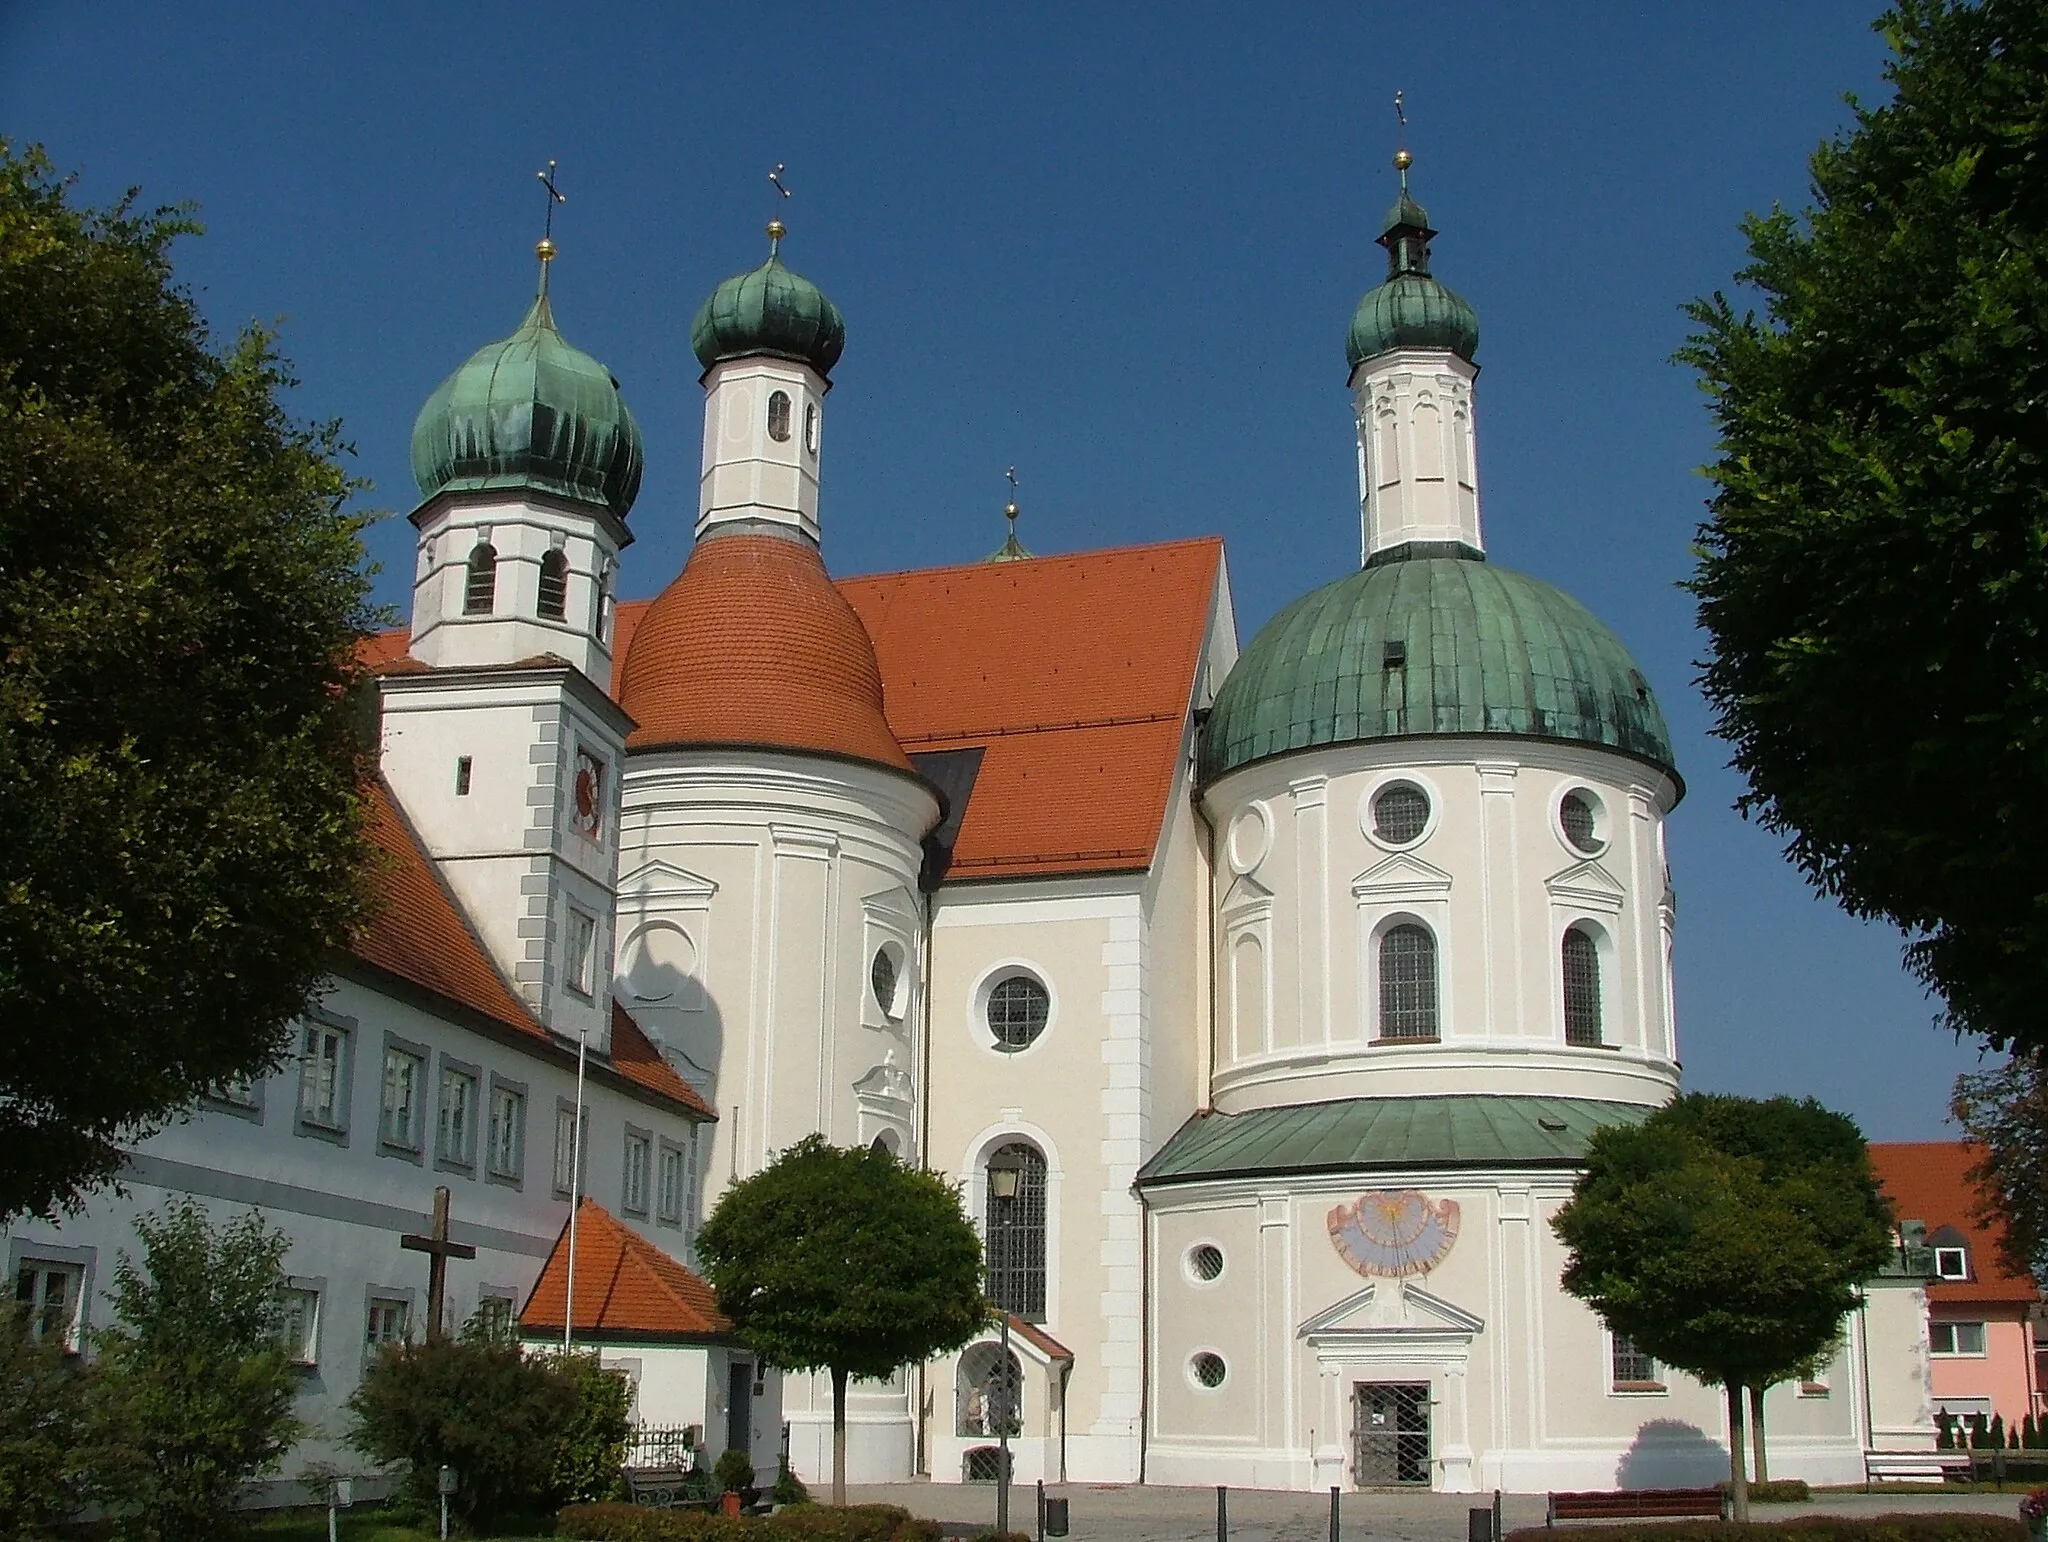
x: 1261, y: 1003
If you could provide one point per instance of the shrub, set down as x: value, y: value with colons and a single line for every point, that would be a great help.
x: 789, y: 1488
x: 1781, y: 1491
x: 42, y: 1428
x: 1807, y: 1528
x: 594, y: 1441
x: 734, y: 1470
x: 805, y: 1523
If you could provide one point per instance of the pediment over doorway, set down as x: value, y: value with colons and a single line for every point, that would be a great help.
x: 1388, y: 1309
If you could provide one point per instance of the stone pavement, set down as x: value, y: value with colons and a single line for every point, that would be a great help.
x: 1129, y: 1513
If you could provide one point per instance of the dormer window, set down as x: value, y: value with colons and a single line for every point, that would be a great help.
x: 778, y: 416
x: 554, y: 585
x: 1952, y: 1263
x: 480, y: 591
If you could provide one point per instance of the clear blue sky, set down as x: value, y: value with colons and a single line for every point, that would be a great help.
x: 1116, y: 246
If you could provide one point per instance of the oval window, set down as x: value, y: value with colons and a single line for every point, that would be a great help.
x: 778, y: 416
x: 1017, y: 1011
x: 1205, y: 1262
x: 1209, y: 1369
x: 1400, y: 813
x: 882, y: 976
x: 811, y: 427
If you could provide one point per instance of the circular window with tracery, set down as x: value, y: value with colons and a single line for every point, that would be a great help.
x: 1205, y: 1262
x: 1017, y: 1011
x: 1208, y: 1369
x: 1400, y: 813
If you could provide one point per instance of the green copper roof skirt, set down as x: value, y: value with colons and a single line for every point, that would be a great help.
x: 1417, y: 645
x: 1361, y: 1134
x: 530, y: 412
x: 769, y: 311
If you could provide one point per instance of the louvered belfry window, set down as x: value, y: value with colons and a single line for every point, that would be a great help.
x: 1581, y: 989
x: 480, y: 592
x: 1015, y: 1229
x: 554, y: 586
x: 1408, y: 983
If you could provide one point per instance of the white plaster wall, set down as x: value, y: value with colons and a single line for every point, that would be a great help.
x: 1418, y: 464
x: 747, y: 473
x: 1891, y: 1333
x: 1492, y: 877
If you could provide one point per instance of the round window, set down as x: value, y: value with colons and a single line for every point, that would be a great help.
x: 778, y: 416
x: 1579, y: 819
x: 882, y: 975
x: 1209, y: 1369
x: 1017, y: 1010
x: 1400, y: 813
x: 811, y: 427
x: 1205, y: 1262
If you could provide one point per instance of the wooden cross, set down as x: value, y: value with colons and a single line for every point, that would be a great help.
x: 439, y: 1250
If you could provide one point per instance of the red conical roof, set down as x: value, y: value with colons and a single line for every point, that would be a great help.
x: 753, y: 645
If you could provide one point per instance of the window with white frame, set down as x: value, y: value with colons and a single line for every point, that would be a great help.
x: 1952, y: 1263
x: 1629, y: 1368
x: 298, y: 1323
x: 494, y: 1317
x: 1579, y: 958
x: 398, y: 1123
x: 51, y: 1296
x: 389, y: 1317
x: 455, y: 1138
x: 1408, y: 996
x: 669, y: 1195
x: 1955, y: 1338
x: 580, y: 950
x: 508, y: 1131
x: 323, y: 1076
x: 639, y: 1153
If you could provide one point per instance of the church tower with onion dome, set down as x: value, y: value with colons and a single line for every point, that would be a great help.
x: 499, y: 732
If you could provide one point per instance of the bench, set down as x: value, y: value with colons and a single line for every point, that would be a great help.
x: 663, y: 1488
x: 1638, y: 1504
x: 1915, y: 1466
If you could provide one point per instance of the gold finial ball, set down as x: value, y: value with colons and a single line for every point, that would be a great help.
x: 1009, y: 511
x: 776, y: 230
x: 1403, y: 160
x: 544, y: 249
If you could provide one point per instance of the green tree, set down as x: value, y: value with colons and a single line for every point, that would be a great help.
x: 1872, y: 576
x: 593, y: 1455
x: 43, y: 1428
x: 1726, y: 1237
x: 847, y: 1262
x: 2005, y: 1111
x: 181, y: 596
x: 193, y: 1391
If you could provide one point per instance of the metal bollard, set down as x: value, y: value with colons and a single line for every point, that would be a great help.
x: 1497, y: 1532
x: 1222, y: 1514
x: 1041, y: 1510
x: 1333, y: 1512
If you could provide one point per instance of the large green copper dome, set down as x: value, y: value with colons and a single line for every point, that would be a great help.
x: 1427, y: 645
x: 769, y: 311
x: 530, y: 412
x: 1411, y: 309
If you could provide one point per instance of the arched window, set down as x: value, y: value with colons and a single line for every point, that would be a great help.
x: 1408, y: 983
x: 778, y: 416
x: 988, y: 1392
x: 1015, y: 1230
x: 1581, y: 988
x: 480, y: 593
x: 554, y: 585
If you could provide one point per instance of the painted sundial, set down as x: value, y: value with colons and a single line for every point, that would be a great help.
x: 1390, y: 1233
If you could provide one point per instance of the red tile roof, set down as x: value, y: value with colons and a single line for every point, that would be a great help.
x: 635, y: 1058
x: 752, y: 645
x: 1047, y: 1345
x: 626, y: 1287
x: 1928, y: 1180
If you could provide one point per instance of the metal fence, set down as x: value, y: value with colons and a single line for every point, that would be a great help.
x: 663, y: 1445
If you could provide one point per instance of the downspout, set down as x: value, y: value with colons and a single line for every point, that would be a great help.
x: 1144, y: 1329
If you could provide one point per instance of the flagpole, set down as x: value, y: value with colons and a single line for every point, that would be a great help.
x: 575, y: 1189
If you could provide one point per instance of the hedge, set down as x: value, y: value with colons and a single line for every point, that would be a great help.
x: 1807, y: 1528
x: 797, y: 1523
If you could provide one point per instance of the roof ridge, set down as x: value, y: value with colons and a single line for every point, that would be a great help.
x: 981, y: 565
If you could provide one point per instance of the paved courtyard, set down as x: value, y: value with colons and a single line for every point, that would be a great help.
x: 1128, y: 1513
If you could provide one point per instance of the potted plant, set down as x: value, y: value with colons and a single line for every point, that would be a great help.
x: 735, y: 1474
x: 2034, y: 1514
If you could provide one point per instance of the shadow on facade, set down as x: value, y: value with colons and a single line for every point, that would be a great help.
x: 683, y: 1019
x: 1669, y: 1453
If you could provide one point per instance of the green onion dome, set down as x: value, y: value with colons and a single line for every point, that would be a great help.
x: 530, y: 412
x: 772, y: 311
x: 1432, y: 644
x: 1411, y: 309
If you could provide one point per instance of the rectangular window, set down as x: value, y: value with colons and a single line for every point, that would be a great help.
x: 388, y: 1320
x: 1633, y: 1371
x: 298, y: 1323
x: 582, y: 944
x: 508, y: 1131
x: 634, y: 1199
x: 494, y: 1318
x: 399, y: 1125
x: 670, y: 1194
x: 50, y: 1296
x: 1952, y: 1263
x: 240, y: 1094
x: 323, y: 1077
x: 456, y: 1140
x: 1955, y: 1338
x: 565, y: 1149
x: 462, y: 765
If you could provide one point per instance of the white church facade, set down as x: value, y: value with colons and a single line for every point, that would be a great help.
x: 1261, y: 1003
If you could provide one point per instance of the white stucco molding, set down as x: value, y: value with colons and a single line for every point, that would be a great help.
x: 1586, y: 886
x: 1402, y: 876
x: 1391, y: 1313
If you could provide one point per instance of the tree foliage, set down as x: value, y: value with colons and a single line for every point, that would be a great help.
x: 1726, y: 1237
x: 1873, y: 577
x: 44, y: 1464
x: 844, y: 1261
x: 2005, y: 1111
x: 181, y: 596
x: 192, y: 1391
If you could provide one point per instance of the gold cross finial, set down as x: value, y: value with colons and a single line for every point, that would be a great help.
x: 1402, y: 159
x: 1010, y: 510
x: 545, y: 248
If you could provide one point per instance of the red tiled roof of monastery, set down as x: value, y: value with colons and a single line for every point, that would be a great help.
x: 1928, y: 1180
x: 635, y: 1058
x: 752, y: 645
x: 626, y: 1287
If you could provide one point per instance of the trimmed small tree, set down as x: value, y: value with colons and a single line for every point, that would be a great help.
x: 1726, y: 1237
x: 847, y: 1262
